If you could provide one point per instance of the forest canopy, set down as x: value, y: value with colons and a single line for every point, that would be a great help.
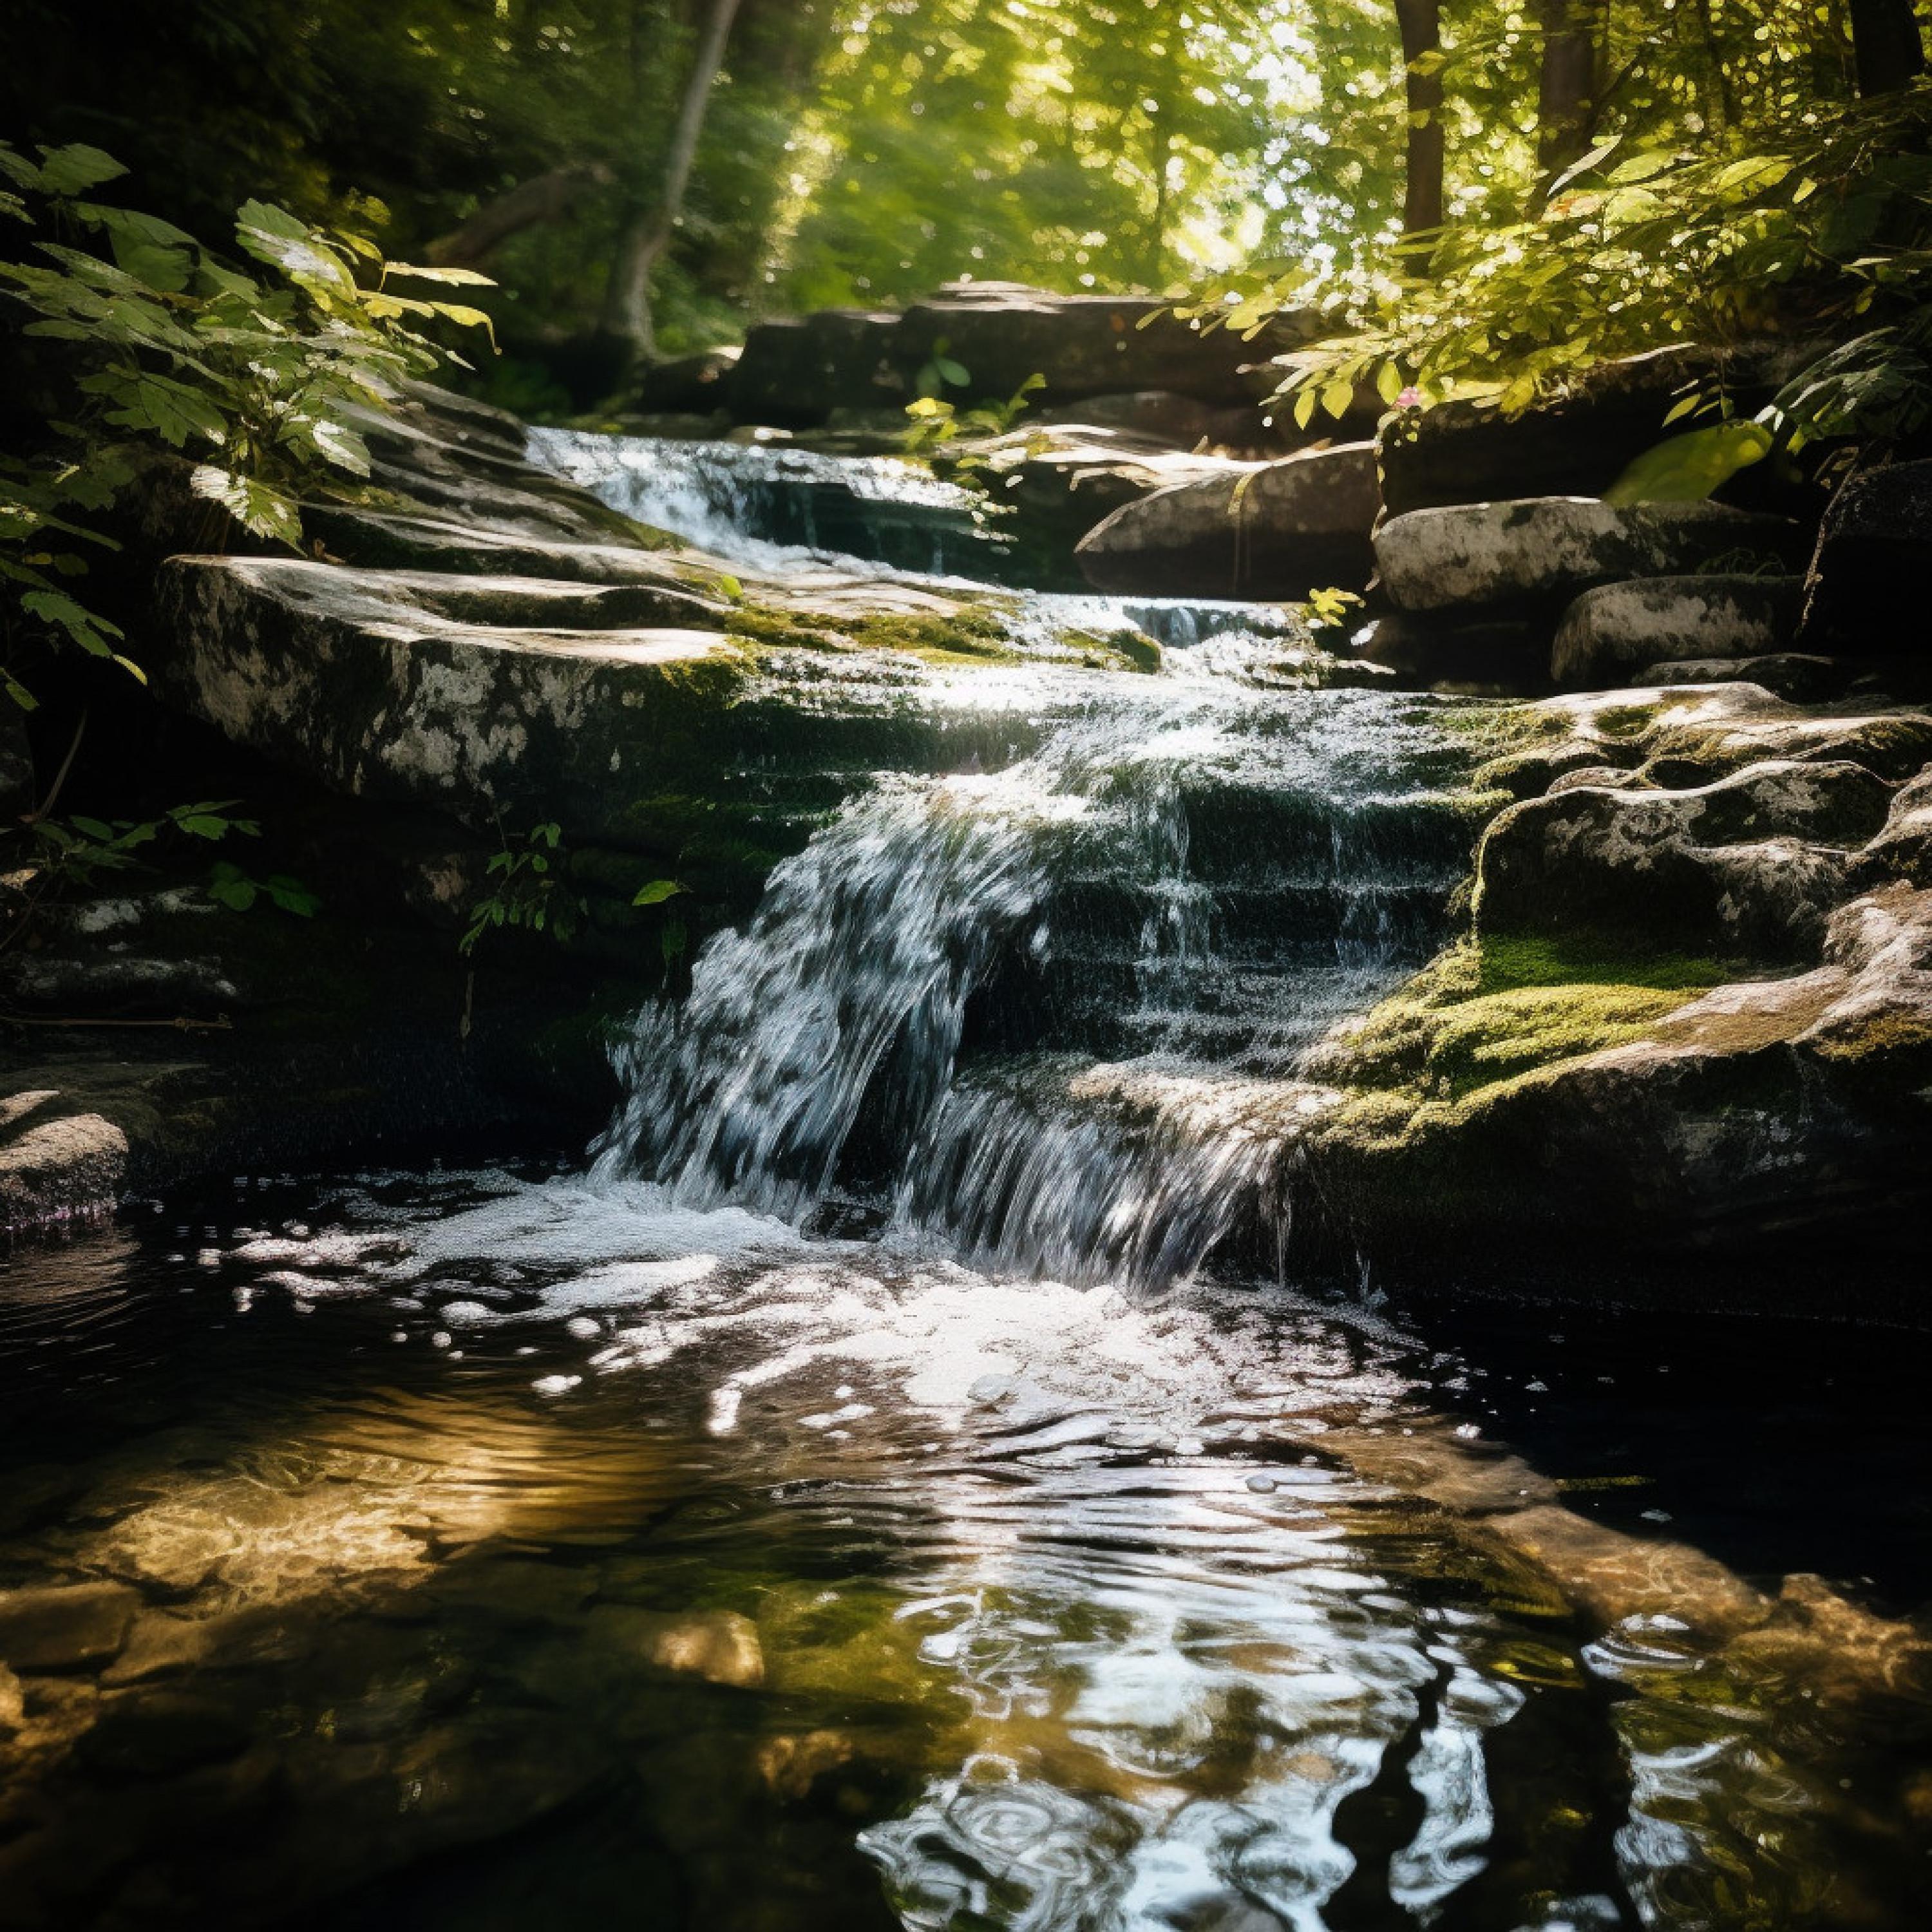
x: 863, y: 151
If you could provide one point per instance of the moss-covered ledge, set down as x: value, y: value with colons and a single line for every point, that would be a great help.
x: 1610, y: 1080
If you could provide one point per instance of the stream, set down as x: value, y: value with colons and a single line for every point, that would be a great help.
x: 898, y: 1477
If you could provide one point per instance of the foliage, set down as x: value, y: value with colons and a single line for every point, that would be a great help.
x: 1826, y: 221
x: 230, y: 885
x: 862, y: 153
x: 78, y: 850
x: 1329, y: 608
x: 165, y: 344
x: 937, y: 425
x: 529, y: 891
x: 79, y: 853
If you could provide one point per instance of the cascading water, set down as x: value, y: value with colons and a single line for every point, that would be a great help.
x: 770, y: 503
x: 1047, y: 1017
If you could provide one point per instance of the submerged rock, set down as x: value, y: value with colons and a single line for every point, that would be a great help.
x: 1611, y: 633
x: 721, y: 1646
x: 1499, y: 555
x: 68, y: 1626
x: 1279, y: 530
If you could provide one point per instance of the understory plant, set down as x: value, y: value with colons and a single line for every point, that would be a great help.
x: 257, y: 372
x: 525, y: 876
x: 79, y: 853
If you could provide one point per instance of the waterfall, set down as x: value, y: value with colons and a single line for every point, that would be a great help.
x: 1048, y: 1019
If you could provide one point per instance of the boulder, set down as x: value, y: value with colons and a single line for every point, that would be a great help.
x: 1159, y: 416
x: 1753, y: 863
x: 362, y: 683
x: 1750, y: 1115
x: 1616, y: 629
x: 692, y: 386
x: 1275, y: 530
x: 798, y: 369
x: 1060, y: 482
x: 54, y: 1161
x: 1575, y: 443
x: 1866, y: 591
x: 1002, y: 334
x: 1505, y: 655
x: 1543, y: 552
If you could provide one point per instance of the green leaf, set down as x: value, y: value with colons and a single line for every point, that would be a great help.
x: 76, y: 168
x: 657, y: 892
x: 955, y: 373
x: 256, y: 505
x: 1687, y: 469
x: 341, y: 445
x: 467, y: 278
x: 90, y: 632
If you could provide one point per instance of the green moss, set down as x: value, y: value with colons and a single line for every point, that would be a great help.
x: 1492, y: 1010
x: 955, y: 637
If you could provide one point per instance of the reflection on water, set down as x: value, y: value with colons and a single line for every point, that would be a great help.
x: 467, y: 1551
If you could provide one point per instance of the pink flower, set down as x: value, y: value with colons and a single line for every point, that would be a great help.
x: 1410, y: 398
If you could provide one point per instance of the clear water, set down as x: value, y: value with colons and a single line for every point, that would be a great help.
x: 896, y: 1479
x: 516, y: 1551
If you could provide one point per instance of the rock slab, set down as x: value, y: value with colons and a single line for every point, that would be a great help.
x: 1544, y: 551
x: 1274, y: 530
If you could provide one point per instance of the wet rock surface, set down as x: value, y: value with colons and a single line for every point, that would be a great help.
x: 1279, y: 530
x: 1544, y: 551
x: 1695, y: 1003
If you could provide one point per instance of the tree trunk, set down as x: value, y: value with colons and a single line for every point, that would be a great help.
x: 1887, y: 48
x: 1569, y: 94
x: 647, y: 228
x: 1420, y: 22
x: 543, y: 198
